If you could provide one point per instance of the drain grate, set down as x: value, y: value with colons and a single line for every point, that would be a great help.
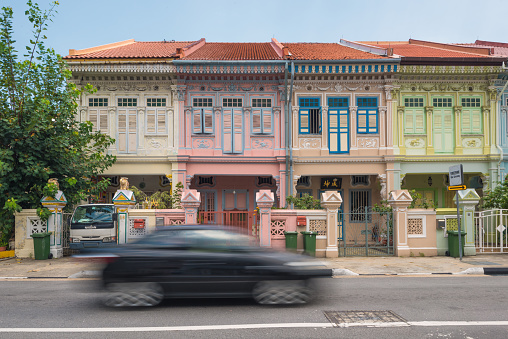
x: 345, y: 318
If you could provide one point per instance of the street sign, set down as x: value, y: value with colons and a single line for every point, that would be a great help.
x: 457, y: 188
x: 456, y: 175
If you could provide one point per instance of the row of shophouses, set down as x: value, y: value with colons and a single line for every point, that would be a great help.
x: 362, y: 118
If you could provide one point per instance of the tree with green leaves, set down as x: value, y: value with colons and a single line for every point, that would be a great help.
x: 498, y: 197
x: 40, y: 137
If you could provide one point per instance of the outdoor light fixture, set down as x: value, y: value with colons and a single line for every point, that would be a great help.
x: 429, y: 181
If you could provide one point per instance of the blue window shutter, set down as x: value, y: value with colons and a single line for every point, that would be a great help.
x: 304, y: 121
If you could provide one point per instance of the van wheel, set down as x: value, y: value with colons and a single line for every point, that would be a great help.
x: 133, y: 294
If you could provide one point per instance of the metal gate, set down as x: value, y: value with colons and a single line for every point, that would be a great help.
x: 491, y: 235
x: 364, y: 232
x: 66, y: 232
x: 245, y: 222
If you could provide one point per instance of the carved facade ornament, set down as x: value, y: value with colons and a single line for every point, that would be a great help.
x: 368, y: 142
x: 429, y: 109
x: 276, y: 110
x: 401, y: 109
x: 382, y: 182
x: 181, y: 92
x: 247, y: 109
x: 112, y: 110
x: 353, y: 109
x: 310, y: 143
x: 486, y: 109
x: 124, y: 183
x: 388, y: 91
x: 457, y: 109
x: 382, y: 109
x: 187, y: 109
x: 111, y: 88
x: 217, y: 110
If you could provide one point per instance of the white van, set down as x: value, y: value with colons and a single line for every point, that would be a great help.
x: 93, y: 225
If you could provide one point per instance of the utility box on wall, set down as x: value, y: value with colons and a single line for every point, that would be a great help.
x: 301, y: 221
x: 139, y: 223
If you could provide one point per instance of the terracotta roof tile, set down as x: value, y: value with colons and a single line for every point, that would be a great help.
x: 327, y: 51
x: 145, y: 49
x: 500, y: 48
x: 234, y: 51
x: 419, y: 51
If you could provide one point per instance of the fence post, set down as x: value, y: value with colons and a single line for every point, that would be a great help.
x: 191, y: 199
x: 468, y: 199
x: 400, y: 200
x: 55, y: 222
x: 124, y: 200
x: 331, y: 200
x: 265, y: 200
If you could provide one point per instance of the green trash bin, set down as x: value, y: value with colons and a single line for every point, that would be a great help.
x: 453, y: 243
x: 291, y: 240
x: 41, y: 245
x: 309, y: 242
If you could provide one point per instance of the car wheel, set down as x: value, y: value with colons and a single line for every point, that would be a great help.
x: 133, y: 294
x: 281, y: 292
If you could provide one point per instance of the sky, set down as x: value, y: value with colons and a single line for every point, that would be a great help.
x: 82, y: 24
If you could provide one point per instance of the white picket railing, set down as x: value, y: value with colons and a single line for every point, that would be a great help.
x: 491, y: 234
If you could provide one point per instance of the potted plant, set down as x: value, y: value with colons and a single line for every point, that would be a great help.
x: 3, y: 245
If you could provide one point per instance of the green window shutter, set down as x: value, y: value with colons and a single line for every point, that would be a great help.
x: 476, y: 120
x: 409, y: 121
x: 419, y: 119
x: 465, y: 126
x: 304, y: 121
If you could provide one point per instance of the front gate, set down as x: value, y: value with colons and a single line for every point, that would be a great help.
x: 364, y: 232
x: 245, y: 222
x: 491, y: 233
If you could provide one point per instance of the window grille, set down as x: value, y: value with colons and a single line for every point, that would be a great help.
x: 232, y: 102
x: 367, y: 102
x: 338, y: 102
x: 262, y: 102
x: 442, y: 102
x: 303, y: 181
x: 357, y: 180
x: 202, y: 102
x: 470, y: 102
x: 127, y: 102
x: 359, y: 204
x: 156, y: 102
x: 97, y: 102
x: 413, y: 102
x: 265, y: 181
x: 309, y: 102
x: 205, y: 181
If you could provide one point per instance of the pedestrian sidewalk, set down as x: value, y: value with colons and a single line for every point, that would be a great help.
x: 68, y: 267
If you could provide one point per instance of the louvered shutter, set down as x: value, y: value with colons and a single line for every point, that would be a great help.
x: 237, y: 130
x: 133, y: 129
x: 122, y: 130
x: 161, y: 121
x: 466, y: 121
x: 362, y: 121
x: 372, y: 114
x: 409, y: 121
x: 256, y: 120
x: 150, y: 120
x: 197, y: 120
x: 333, y: 130
x: 93, y: 116
x: 343, y: 130
x: 476, y: 117
x: 227, y: 131
x: 304, y: 121
x: 267, y: 121
x: 208, y: 120
x: 419, y: 115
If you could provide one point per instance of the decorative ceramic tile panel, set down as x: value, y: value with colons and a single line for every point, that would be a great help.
x: 36, y: 225
x: 415, y: 226
x: 318, y: 226
x: 277, y: 229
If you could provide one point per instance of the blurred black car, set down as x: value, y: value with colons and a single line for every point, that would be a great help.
x: 204, y: 262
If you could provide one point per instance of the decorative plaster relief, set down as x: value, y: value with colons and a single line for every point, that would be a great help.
x: 310, y: 143
x: 368, y: 142
x: 202, y: 143
x: 262, y: 143
x: 415, y: 143
x: 471, y: 142
x: 156, y: 143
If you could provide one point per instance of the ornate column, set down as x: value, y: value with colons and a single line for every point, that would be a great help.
x: 141, y: 131
x: 265, y: 200
x: 172, y: 132
x: 186, y: 127
x: 217, y: 110
x: 113, y: 121
x: 382, y: 182
x: 400, y: 201
x: 458, y: 130
x: 324, y: 129
x: 353, y: 127
x: 124, y: 200
x: 294, y: 125
x: 191, y: 199
x: 486, y: 129
x: 331, y: 201
x: 247, y: 110
x: 429, y: 110
x: 468, y: 199
x: 55, y: 205
x: 400, y: 129
x: 389, y: 114
x: 278, y: 128
x: 382, y: 127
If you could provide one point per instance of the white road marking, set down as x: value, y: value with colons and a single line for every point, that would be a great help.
x: 251, y: 326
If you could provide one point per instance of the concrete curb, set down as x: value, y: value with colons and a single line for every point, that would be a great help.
x: 85, y: 274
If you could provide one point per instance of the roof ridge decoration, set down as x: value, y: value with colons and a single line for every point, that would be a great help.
x: 101, y: 47
x: 462, y: 49
x: 281, y: 50
x: 491, y: 43
x: 191, y: 48
x: 367, y: 48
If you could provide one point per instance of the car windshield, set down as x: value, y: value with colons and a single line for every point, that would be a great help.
x: 92, y: 214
